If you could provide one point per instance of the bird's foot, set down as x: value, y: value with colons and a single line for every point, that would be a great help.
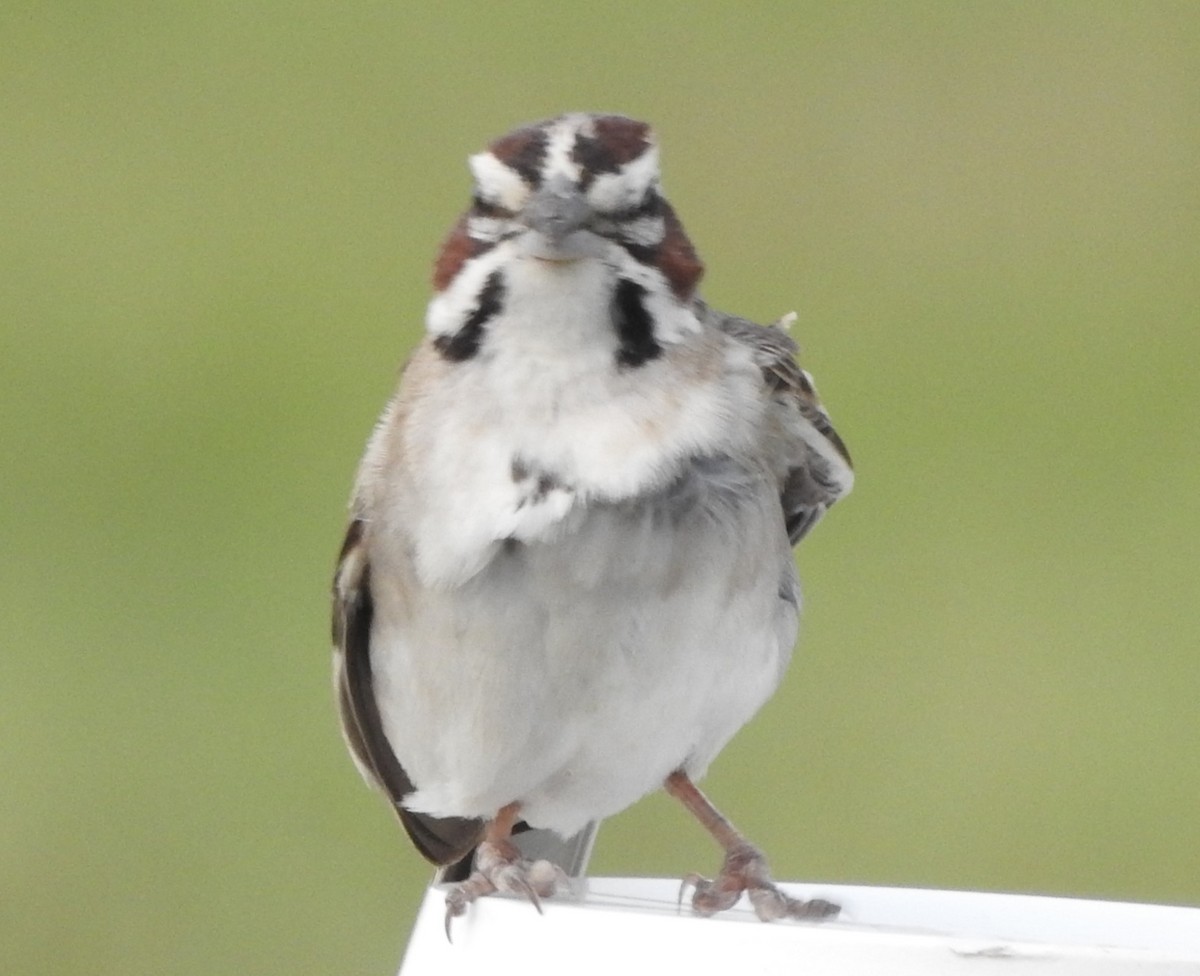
x: 500, y: 867
x: 745, y: 869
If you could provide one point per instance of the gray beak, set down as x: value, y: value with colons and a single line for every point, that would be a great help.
x: 557, y: 210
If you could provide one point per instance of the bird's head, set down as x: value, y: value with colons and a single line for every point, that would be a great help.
x: 575, y: 188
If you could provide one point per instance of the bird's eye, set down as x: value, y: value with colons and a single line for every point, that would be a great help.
x: 648, y: 205
x: 484, y: 208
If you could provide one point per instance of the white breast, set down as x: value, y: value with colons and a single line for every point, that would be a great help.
x: 571, y: 647
x: 545, y: 390
x: 574, y: 675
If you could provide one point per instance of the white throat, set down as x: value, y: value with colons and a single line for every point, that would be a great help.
x: 545, y: 393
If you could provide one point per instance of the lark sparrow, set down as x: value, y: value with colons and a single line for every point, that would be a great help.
x: 568, y: 575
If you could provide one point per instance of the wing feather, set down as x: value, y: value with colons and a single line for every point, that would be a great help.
x: 817, y: 470
x: 442, y: 840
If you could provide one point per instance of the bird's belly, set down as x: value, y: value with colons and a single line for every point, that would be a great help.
x: 574, y: 675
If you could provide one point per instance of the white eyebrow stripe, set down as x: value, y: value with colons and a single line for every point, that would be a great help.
x: 497, y: 182
x: 624, y: 188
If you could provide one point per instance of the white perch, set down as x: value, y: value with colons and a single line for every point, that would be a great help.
x: 631, y: 926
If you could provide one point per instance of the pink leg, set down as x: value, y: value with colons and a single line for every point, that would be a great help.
x: 744, y: 869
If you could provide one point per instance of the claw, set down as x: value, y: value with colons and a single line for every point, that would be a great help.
x: 460, y: 896
x: 521, y: 886
x: 745, y: 869
x: 500, y: 867
x: 692, y: 880
x: 714, y: 896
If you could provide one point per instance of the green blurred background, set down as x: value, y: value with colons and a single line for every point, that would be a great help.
x: 218, y: 226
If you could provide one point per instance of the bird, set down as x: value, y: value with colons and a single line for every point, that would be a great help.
x: 568, y: 578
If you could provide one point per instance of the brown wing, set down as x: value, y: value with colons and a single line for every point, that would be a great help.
x: 819, y: 470
x: 442, y: 840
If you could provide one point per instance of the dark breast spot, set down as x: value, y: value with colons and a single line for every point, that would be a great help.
x: 634, y: 326
x: 464, y: 344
